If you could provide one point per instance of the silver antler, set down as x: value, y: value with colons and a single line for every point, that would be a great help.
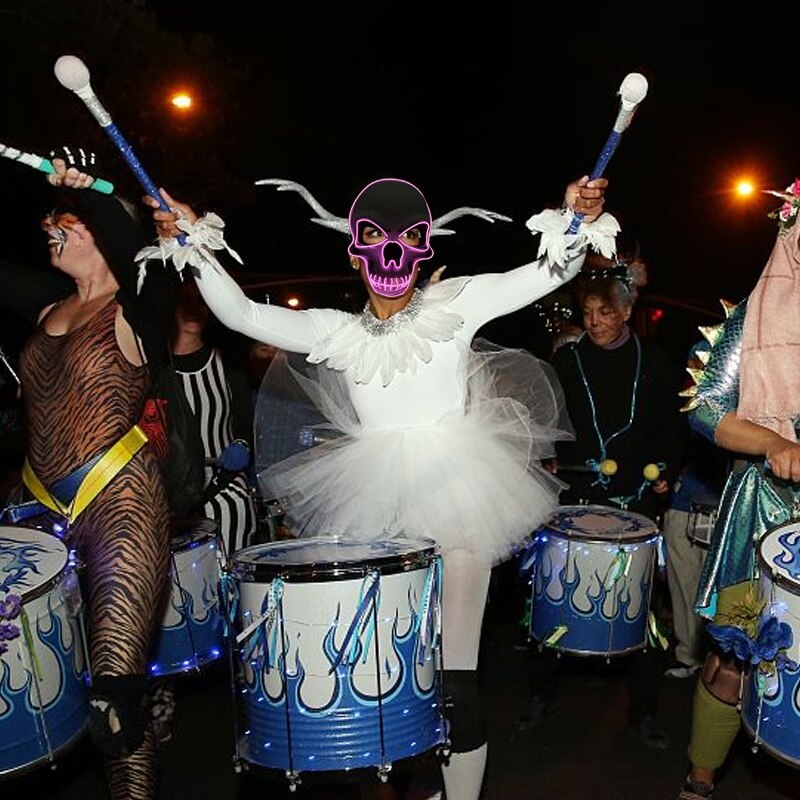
x: 325, y: 217
x: 329, y: 220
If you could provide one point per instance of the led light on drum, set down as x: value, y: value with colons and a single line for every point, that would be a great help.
x: 340, y: 648
x: 43, y: 670
x: 192, y: 629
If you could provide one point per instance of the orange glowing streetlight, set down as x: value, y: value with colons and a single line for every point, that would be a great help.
x: 181, y: 100
x: 745, y: 188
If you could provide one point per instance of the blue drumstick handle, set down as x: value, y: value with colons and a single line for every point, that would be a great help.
x: 599, y: 168
x: 605, y: 156
x: 133, y: 162
x: 138, y: 170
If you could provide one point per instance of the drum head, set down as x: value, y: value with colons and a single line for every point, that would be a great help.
x: 306, y: 559
x: 601, y: 523
x: 30, y: 561
x: 779, y: 555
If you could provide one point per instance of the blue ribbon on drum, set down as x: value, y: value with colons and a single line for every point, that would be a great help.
x: 427, y: 623
x: 362, y: 618
x: 428, y: 619
x: 265, y: 625
x: 229, y: 592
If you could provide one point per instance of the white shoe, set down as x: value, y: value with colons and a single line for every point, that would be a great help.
x: 681, y: 670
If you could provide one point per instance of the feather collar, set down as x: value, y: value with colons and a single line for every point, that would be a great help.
x: 367, y: 345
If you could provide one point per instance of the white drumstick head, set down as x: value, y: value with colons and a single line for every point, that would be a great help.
x: 633, y: 89
x: 72, y: 73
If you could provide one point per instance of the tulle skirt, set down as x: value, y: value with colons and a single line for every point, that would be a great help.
x: 472, y: 479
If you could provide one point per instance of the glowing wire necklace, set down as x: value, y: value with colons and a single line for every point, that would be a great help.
x: 602, y: 478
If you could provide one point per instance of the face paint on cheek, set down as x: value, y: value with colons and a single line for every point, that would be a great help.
x: 57, y: 226
x: 61, y: 235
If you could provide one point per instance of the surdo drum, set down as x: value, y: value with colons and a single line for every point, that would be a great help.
x: 44, y: 699
x: 702, y: 518
x: 591, y: 571
x: 771, y: 704
x: 192, y: 629
x: 340, y: 645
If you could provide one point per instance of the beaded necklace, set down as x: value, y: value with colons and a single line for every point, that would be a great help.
x: 602, y: 478
x: 383, y: 327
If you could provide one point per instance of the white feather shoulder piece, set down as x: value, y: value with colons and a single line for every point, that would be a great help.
x: 369, y: 346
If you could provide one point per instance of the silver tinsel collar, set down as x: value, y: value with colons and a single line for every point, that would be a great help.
x: 382, y: 327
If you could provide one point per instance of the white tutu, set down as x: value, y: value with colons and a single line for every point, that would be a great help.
x: 470, y: 480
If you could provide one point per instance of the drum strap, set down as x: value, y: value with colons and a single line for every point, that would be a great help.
x: 96, y: 479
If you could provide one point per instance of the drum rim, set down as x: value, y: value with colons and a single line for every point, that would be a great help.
x: 766, y: 569
x: 192, y: 543
x: 249, y: 571
x: 587, y: 537
x: 596, y: 653
x: 25, y: 769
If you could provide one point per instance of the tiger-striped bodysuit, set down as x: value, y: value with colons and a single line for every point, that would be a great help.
x: 81, y: 395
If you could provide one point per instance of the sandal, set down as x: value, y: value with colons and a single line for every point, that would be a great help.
x: 695, y: 790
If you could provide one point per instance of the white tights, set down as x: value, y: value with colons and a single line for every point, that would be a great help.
x: 465, y: 587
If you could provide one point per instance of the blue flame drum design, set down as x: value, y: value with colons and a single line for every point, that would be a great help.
x: 44, y: 696
x: 341, y: 652
x: 773, y: 720
x: 592, y: 573
x: 192, y: 630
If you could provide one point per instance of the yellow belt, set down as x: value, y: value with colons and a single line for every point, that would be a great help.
x: 98, y: 477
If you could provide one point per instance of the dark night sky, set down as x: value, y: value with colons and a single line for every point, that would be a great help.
x: 500, y: 107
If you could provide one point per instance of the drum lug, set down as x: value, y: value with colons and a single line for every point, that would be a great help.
x: 383, y: 772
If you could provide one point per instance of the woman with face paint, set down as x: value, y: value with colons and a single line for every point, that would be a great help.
x: 433, y: 434
x: 89, y: 474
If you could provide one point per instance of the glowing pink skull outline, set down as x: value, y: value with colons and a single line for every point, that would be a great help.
x: 393, y: 206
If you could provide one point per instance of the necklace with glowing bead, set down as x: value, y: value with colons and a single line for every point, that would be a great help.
x: 606, y: 467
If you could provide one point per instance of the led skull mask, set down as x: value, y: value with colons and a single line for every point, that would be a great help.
x: 393, y: 207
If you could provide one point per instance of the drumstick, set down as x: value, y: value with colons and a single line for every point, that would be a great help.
x: 74, y: 75
x: 632, y: 91
x: 43, y: 165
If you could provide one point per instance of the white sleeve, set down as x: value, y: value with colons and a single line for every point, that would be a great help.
x: 295, y: 331
x: 495, y: 294
x: 560, y: 257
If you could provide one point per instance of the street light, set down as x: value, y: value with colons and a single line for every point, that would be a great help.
x: 181, y: 100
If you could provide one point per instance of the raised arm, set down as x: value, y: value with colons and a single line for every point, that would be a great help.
x: 119, y: 236
x: 559, y: 258
x: 295, y: 331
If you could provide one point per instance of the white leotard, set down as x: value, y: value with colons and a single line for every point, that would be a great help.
x: 430, y: 443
